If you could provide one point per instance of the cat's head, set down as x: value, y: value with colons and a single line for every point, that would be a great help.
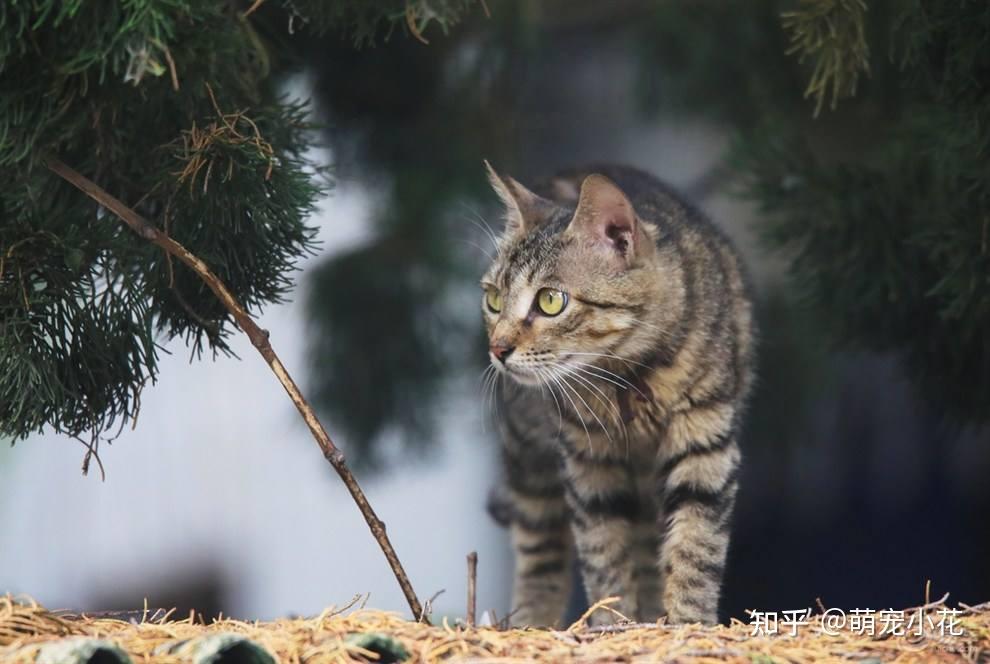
x: 570, y: 286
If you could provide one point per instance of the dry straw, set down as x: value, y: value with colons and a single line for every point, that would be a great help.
x: 330, y: 637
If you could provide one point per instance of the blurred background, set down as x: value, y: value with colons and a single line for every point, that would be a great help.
x: 866, y: 452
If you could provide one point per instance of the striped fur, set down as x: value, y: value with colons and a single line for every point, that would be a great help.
x: 621, y: 419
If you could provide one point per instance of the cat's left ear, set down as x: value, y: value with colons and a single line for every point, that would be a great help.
x: 524, y: 209
x: 605, y: 219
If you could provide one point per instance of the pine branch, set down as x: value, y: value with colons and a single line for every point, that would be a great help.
x: 259, y: 339
x: 831, y: 33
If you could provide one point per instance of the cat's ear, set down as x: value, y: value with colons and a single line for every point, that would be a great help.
x: 605, y: 219
x: 524, y: 209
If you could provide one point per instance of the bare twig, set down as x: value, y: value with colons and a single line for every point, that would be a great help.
x: 428, y: 605
x: 254, y: 7
x: 929, y: 604
x: 711, y: 653
x: 135, y: 617
x: 92, y: 452
x: 617, y: 629
x: 259, y: 338
x: 581, y: 623
x: 472, y: 587
x: 411, y: 22
x: 171, y: 68
x: 566, y: 637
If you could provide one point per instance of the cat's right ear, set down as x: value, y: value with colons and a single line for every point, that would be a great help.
x: 524, y: 210
x: 606, y: 220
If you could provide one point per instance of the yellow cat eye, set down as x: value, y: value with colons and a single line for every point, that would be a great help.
x: 551, y: 301
x: 493, y: 300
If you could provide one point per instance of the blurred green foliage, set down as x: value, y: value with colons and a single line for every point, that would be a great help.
x: 881, y: 208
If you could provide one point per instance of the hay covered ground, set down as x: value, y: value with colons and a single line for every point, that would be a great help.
x: 363, y: 635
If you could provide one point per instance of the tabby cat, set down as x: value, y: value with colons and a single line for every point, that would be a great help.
x: 622, y: 317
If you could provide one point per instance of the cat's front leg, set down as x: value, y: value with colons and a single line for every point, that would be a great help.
x: 604, y: 507
x: 542, y: 579
x: 538, y: 523
x: 698, y: 475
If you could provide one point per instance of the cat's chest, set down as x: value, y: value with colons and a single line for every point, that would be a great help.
x: 622, y: 418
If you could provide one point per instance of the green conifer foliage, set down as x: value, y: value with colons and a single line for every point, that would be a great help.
x: 168, y: 105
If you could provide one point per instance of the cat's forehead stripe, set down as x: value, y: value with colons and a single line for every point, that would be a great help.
x: 535, y: 251
x: 521, y: 299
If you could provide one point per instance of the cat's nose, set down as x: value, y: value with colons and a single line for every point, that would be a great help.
x: 501, y: 351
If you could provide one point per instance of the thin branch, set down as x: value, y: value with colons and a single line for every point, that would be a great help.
x: 428, y: 605
x: 617, y: 628
x: 411, y: 22
x: 92, y: 452
x: 929, y: 604
x: 472, y: 587
x: 250, y: 10
x: 259, y: 338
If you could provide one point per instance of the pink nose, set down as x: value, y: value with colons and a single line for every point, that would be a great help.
x: 501, y: 351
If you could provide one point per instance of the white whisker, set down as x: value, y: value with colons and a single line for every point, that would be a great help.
x: 626, y: 383
x: 484, y: 227
x: 608, y: 355
x: 589, y: 408
x: 559, y: 381
x: 584, y: 368
x: 543, y: 373
x: 497, y: 396
x: 477, y: 246
x: 491, y: 386
x: 486, y: 377
x: 603, y: 398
